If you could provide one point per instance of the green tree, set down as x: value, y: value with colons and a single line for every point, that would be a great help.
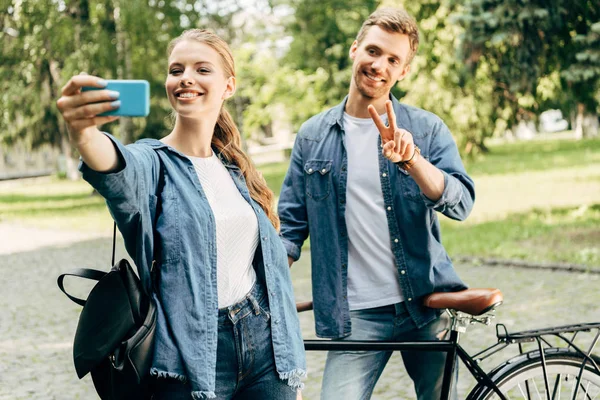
x: 524, y: 43
x: 323, y: 31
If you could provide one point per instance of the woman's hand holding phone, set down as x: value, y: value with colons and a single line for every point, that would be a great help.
x: 80, y: 109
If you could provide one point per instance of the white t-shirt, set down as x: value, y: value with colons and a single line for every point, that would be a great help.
x: 237, y: 230
x: 373, y: 279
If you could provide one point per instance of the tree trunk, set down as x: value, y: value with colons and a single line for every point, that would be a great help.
x: 126, y: 126
x: 590, y: 125
x: 579, y: 121
x: 71, y: 171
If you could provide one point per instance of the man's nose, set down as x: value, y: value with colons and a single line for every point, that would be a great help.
x: 377, y: 64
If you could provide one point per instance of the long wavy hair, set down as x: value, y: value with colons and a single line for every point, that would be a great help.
x: 226, y: 137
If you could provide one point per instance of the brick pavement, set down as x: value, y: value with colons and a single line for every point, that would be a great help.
x: 37, y: 322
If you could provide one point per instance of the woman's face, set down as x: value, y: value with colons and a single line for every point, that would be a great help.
x: 196, y: 82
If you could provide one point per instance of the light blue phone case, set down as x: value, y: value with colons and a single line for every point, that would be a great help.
x: 134, y: 96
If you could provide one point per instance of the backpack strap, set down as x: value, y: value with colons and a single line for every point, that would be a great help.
x: 96, y: 275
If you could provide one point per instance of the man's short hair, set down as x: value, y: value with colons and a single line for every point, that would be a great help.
x: 393, y: 20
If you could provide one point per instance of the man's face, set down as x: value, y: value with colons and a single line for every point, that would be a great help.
x: 379, y: 62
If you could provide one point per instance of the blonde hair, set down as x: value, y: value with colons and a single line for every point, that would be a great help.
x: 394, y: 20
x: 226, y: 137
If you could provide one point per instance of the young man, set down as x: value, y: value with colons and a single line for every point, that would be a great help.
x: 365, y: 181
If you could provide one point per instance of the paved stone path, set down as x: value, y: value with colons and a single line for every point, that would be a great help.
x: 37, y: 322
x: 16, y: 238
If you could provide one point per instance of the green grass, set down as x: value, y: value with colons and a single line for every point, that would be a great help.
x: 54, y: 203
x: 535, y: 155
x: 274, y: 175
x: 537, y: 201
x: 570, y: 235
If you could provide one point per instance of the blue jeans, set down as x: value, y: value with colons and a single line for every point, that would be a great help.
x: 245, y: 360
x: 352, y: 375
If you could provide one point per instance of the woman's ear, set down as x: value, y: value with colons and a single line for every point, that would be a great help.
x: 230, y: 88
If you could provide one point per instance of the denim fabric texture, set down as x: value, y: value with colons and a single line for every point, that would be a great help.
x: 186, y: 258
x: 352, y: 375
x: 313, y: 200
x: 245, y: 361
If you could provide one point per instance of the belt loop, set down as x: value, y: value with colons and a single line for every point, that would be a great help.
x: 399, y: 308
x: 254, y: 304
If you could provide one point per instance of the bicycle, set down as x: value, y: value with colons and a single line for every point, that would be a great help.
x: 541, y: 373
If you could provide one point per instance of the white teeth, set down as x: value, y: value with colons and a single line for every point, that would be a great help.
x: 188, y: 95
x: 373, y: 78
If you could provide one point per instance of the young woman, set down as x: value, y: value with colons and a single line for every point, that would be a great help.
x: 227, y: 325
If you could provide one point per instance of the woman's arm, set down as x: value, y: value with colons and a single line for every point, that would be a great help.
x: 80, y: 111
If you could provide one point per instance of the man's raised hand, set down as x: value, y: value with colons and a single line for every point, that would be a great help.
x: 398, y: 144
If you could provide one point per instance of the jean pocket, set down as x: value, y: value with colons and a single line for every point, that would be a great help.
x: 318, y: 178
x: 263, y: 308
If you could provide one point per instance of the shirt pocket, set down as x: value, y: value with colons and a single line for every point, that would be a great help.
x: 318, y: 178
x: 410, y: 189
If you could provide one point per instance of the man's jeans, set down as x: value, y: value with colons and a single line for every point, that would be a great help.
x: 352, y: 375
x: 245, y: 361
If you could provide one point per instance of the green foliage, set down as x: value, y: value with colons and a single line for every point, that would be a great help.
x: 323, y: 32
x: 523, y: 43
x: 439, y: 83
x: 482, y: 65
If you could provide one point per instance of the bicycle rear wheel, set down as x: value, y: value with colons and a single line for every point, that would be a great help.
x: 523, y: 378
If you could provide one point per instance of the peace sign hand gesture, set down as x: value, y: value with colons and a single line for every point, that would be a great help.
x: 398, y: 144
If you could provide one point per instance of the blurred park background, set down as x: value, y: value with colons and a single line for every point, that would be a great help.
x: 517, y: 82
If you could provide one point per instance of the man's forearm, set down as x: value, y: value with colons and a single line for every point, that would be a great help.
x: 429, y: 178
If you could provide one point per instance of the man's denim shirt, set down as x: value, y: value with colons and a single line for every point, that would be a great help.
x: 313, y: 200
x: 186, y: 339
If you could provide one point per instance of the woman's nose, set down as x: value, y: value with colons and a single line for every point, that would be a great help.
x: 185, y: 80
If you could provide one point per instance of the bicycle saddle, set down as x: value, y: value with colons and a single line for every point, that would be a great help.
x: 470, y: 301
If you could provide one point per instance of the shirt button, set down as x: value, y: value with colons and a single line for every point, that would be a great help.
x: 384, y: 174
x: 310, y: 170
x: 389, y: 208
x: 344, y: 266
x: 323, y: 170
x: 344, y: 168
x: 403, y: 272
x: 395, y: 240
x: 409, y: 299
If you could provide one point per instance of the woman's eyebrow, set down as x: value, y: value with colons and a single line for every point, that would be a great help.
x: 177, y: 63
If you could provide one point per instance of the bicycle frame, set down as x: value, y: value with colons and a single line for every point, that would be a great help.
x: 452, y: 347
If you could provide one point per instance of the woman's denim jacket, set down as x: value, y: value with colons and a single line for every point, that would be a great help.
x: 186, y: 258
x: 313, y: 197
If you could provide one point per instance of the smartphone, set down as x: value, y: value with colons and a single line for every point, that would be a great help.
x: 133, y: 94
